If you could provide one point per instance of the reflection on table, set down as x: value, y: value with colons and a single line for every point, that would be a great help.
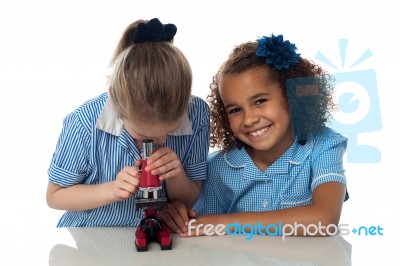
x: 116, y: 246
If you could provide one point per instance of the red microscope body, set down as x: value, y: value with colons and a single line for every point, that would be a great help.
x: 148, y: 180
x: 151, y: 228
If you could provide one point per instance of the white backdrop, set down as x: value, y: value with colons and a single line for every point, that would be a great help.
x: 54, y: 56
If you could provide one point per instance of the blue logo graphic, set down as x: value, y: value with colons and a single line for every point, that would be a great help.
x: 358, y: 102
x: 368, y: 230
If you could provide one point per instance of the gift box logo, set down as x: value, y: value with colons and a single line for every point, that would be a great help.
x: 357, y: 98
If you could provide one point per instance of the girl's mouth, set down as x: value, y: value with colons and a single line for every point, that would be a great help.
x: 259, y: 132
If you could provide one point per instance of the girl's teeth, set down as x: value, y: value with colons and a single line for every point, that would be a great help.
x: 258, y: 132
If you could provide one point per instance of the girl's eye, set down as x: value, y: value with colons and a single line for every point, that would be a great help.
x: 233, y: 110
x: 260, y: 101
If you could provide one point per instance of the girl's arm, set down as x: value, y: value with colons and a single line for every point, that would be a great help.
x: 326, y: 207
x: 184, y: 189
x: 166, y: 163
x: 84, y: 197
x: 79, y: 197
x: 186, y: 185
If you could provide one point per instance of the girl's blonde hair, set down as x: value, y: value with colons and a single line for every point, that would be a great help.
x: 149, y: 81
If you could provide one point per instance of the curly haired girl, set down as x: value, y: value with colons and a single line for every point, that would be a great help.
x: 278, y: 163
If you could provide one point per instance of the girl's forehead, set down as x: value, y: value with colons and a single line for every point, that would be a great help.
x: 153, y: 129
x: 247, y: 82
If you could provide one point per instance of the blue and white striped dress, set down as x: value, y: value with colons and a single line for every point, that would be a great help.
x: 87, y: 153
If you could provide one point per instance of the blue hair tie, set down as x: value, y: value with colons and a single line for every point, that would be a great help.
x: 154, y: 31
x: 278, y: 53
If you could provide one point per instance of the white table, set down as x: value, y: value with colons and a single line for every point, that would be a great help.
x: 116, y: 246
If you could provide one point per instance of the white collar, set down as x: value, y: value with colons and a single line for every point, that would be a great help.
x: 110, y: 122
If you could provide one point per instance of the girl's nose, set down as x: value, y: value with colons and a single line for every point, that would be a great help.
x: 250, y: 118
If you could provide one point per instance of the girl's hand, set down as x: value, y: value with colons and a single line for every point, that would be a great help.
x: 165, y: 163
x: 176, y: 217
x: 127, y: 182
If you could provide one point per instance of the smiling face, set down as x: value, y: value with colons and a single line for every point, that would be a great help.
x: 258, y: 113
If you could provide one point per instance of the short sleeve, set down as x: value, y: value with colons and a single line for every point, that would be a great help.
x: 195, y: 161
x: 327, y: 159
x: 70, y: 160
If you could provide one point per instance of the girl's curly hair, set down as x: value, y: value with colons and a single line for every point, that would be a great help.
x: 244, y: 58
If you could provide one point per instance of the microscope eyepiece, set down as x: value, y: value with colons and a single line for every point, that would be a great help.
x: 147, y: 148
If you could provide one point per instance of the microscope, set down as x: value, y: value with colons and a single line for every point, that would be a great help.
x: 151, y: 228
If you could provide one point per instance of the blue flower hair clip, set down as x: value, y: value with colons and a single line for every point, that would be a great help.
x: 277, y: 52
x: 154, y: 31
